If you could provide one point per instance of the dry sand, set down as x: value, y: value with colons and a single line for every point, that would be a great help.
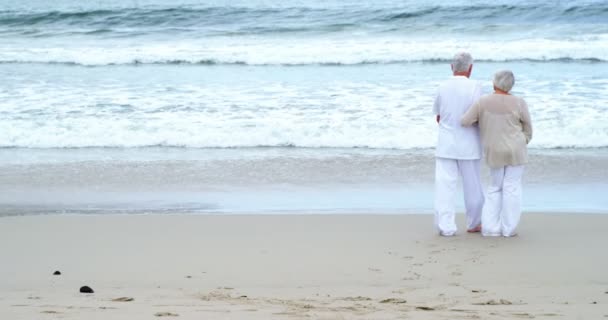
x: 299, y: 267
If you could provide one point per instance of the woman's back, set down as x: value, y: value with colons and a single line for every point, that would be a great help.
x: 504, y: 127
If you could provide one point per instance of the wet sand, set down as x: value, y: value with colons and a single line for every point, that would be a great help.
x: 299, y: 266
x: 278, y: 180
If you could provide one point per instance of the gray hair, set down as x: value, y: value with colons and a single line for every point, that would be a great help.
x: 462, y: 62
x: 504, y: 80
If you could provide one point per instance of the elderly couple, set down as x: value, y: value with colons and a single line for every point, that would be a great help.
x: 502, y: 121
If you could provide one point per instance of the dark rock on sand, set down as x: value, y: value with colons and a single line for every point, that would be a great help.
x: 86, y: 289
x: 57, y: 273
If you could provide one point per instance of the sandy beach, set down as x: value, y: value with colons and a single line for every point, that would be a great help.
x: 254, y: 159
x: 299, y: 267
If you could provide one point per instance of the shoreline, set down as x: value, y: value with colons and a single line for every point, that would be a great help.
x: 300, y: 266
x: 273, y: 179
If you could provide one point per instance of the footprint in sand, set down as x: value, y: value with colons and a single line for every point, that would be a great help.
x: 357, y: 298
x: 494, y: 302
x: 393, y: 300
x: 412, y: 276
x: 523, y: 315
x: 423, y: 308
x: 123, y: 299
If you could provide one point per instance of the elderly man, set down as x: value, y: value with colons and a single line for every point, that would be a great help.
x: 458, y: 150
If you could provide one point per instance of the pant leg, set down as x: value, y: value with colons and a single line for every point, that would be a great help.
x: 473, y: 191
x: 511, y: 200
x: 446, y: 180
x: 490, y: 217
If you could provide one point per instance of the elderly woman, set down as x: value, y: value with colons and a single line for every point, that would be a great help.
x: 505, y: 130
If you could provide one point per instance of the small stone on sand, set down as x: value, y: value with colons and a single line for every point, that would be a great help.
x: 166, y: 314
x: 57, y: 273
x: 86, y: 289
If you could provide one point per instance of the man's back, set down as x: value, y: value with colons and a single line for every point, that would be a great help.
x: 454, y: 98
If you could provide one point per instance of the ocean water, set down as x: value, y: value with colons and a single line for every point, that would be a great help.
x: 103, y: 83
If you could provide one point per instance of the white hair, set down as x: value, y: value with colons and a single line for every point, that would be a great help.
x: 462, y: 62
x: 504, y: 80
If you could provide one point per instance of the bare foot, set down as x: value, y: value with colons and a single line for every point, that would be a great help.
x: 474, y: 230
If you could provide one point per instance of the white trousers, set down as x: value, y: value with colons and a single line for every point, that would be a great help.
x: 446, y: 184
x: 502, y: 210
